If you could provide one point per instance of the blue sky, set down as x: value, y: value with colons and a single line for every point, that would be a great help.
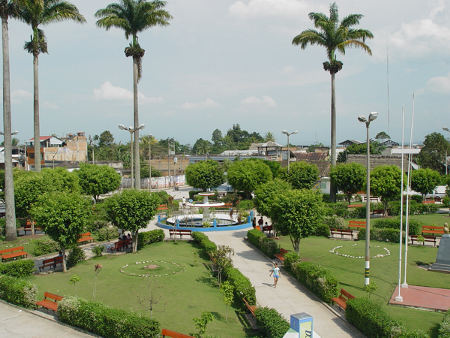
x: 231, y: 61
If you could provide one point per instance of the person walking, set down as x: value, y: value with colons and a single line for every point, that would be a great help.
x: 276, y: 274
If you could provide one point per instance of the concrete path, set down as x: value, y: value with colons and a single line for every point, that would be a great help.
x: 16, y: 322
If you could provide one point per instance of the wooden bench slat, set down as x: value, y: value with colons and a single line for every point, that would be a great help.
x: 251, y: 308
x: 173, y: 334
x: 357, y: 224
x: 342, y: 299
x: 50, y: 301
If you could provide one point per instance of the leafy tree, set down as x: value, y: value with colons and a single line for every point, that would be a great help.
x: 221, y: 259
x: 297, y: 213
x: 63, y: 216
x: 334, y: 35
x: 361, y: 148
x: 62, y: 178
x: 269, y: 137
x: 247, y: 175
x: 105, y: 139
x: 133, y: 17
x: 96, y: 180
x: 202, y: 147
x: 265, y: 195
x: 145, y: 171
x: 274, y: 166
x: 38, y: 13
x: 201, y: 323
x: 432, y: 155
x: 349, y: 178
x: 382, y: 135
x: 204, y: 175
x: 131, y: 210
x: 385, y: 183
x: 425, y: 180
x: 228, y: 295
x: 301, y: 175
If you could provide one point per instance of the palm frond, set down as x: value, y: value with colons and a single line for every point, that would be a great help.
x: 351, y: 20
x: 356, y: 44
x: 309, y: 36
x: 55, y: 10
x: 334, y: 13
x: 361, y: 34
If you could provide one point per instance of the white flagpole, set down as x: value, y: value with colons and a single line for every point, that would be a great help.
x: 399, y: 297
x: 405, y: 284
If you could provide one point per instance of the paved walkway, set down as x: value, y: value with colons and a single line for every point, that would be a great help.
x: 289, y: 296
x: 16, y: 322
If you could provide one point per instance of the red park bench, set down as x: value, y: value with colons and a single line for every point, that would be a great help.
x: 357, y: 224
x: 428, y: 202
x: 29, y: 227
x: 280, y: 255
x: 51, y: 262
x: 122, y: 244
x: 173, y: 334
x: 432, y: 229
x: 179, y: 232
x: 251, y: 308
x: 431, y: 239
x: 50, y: 301
x: 162, y: 207
x: 341, y: 232
x: 13, y: 253
x: 343, y: 298
x: 359, y: 205
x: 85, y: 238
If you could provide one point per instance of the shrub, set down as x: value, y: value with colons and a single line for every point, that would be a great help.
x: 290, y: 259
x: 105, y: 321
x: 261, y: 241
x: 334, y: 222
x: 43, y: 246
x: 271, y: 323
x: 427, y: 208
x: 149, y: 237
x: 319, y: 280
x: 21, y: 268
x: 245, y: 205
x: 107, y: 233
x: 242, y: 286
x: 323, y: 230
x: 446, y: 201
x: 415, y: 228
x: 417, y: 198
x: 204, y: 242
x: 76, y: 255
x: 98, y: 250
x: 370, y: 318
x: 444, y: 328
x: 394, y: 208
x: 382, y: 235
x: 18, y: 291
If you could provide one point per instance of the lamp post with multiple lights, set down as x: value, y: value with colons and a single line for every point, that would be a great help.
x: 372, y: 116
x: 288, y: 153
x: 131, y: 130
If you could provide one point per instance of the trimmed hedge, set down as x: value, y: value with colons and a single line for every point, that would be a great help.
x: 242, y: 286
x: 415, y: 227
x: 149, y: 237
x: 21, y: 268
x: 261, y: 241
x: 76, y: 256
x: 444, y: 328
x: 382, y: 235
x: 323, y: 230
x: 204, y: 242
x: 370, y: 318
x: 317, y: 279
x: 271, y: 323
x: 18, y: 291
x: 107, y: 233
x: 105, y: 321
x: 44, y: 246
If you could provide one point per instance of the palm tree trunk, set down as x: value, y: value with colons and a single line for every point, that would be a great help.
x: 11, y: 233
x: 137, y: 167
x: 37, y: 141
x: 333, y: 136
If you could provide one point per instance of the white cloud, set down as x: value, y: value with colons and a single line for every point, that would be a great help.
x: 207, y: 103
x: 263, y: 101
x: 108, y: 91
x: 50, y: 105
x: 439, y: 84
x: 270, y: 8
x: 18, y: 95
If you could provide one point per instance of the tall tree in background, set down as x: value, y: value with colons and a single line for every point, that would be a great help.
x: 432, y: 155
x: 134, y: 16
x: 8, y: 9
x: 36, y: 13
x: 334, y: 35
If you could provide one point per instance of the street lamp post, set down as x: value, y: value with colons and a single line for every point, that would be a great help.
x: 366, y: 121
x: 288, y: 153
x: 446, y: 164
x: 131, y: 130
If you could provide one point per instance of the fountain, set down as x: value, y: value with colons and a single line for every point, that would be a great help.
x: 206, y: 218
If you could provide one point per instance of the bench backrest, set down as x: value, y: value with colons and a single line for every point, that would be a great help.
x: 19, y: 248
x: 357, y: 223
x: 346, y: 294
x: 173, y: 334
x: 86, y: 234
x: 283, y: 251
x: 433, y: 228
x: 52, y: 296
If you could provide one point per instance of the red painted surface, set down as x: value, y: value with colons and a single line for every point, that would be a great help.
x: 420, y: 296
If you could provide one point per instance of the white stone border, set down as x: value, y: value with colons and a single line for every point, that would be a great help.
x: 122, y: 269
x: 334, y: 251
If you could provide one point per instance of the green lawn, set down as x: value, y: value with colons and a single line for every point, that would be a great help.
x: 184, y: 293
x: 384, y: 272
x: 430, y: 219
x: 25, y: 241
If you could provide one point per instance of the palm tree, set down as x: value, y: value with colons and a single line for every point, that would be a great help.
x: 36, y: 13
x: 334, y: 35
x: 8, y: 9
x: 134, y: 16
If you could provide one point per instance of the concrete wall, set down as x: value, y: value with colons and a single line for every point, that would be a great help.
x: 377, y: 160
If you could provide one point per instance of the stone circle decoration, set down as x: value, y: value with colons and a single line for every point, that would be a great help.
x: 151, y: 268
x: 335, y: 251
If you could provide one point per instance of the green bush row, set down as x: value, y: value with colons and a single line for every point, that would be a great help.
x: 76, y: 256
x: 20, y: 268
x: 271, y: 323
x: 415, y: 208
x: 44, y: 246
x: 415, y: 227
x: 370, y: 318
x: 261, y: 241
x: 204, y: 242
x: 382, y: 235
x: 444, y: 328
x: 18, y: 291
x: 105, y: 321
x: 107, y: 233
x: 242, y: 286
x: 149, y: 237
